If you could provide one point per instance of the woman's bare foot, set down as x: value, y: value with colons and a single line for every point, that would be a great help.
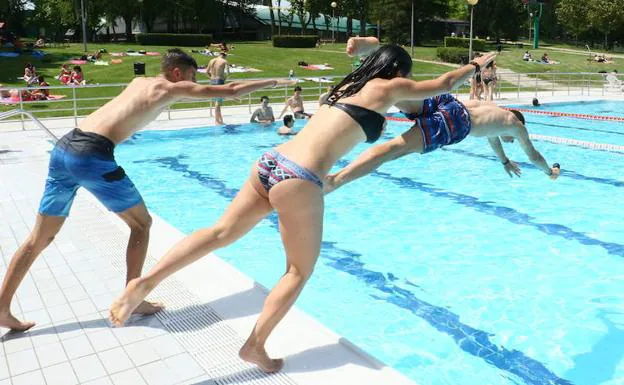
x: 132, y: 297
x: 8, y: 321
x: 148, y: 308
x: 257, y: 355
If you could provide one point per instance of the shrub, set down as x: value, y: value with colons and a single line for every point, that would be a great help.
x: 477, y: 44
x: 453, y: 55
x: 174, y: 40
x: 302, y: 41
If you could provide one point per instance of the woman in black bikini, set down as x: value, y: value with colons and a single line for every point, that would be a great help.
x: 288, y: 179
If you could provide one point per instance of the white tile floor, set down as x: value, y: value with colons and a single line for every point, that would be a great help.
x: 69, y: 288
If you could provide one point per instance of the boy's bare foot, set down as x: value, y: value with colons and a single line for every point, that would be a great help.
x: 257, y: 355
x: 8, y: 321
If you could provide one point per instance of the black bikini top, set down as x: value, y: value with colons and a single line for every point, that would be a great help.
x: 372, y: 122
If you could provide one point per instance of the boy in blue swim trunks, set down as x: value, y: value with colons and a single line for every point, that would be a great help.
x: 442, y: 121
x: 85, y: 158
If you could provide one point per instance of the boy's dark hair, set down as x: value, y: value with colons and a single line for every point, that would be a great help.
x: 176, y: 58
x: 297, y: 88
x: 288, y: 119
x: 264, y: 97
x: 77, y: 68
x: 518, y: 115
x: 41, y: 79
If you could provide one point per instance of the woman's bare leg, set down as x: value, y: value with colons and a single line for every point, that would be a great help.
x: 245, y: 211
x: 299, y: 205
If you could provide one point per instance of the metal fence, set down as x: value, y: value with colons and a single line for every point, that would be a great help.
x: 80, y: 101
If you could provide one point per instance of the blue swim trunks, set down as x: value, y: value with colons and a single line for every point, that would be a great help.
x: 85, y: 159
x: 217, y: 82
x: 443, y: 121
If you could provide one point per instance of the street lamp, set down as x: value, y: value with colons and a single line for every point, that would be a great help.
x: 412, y: 34
x: 334, y: 5
x: 472, y: 3
x: 84, y: 25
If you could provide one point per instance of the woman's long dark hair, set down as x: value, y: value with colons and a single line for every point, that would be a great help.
x: 387, y: 62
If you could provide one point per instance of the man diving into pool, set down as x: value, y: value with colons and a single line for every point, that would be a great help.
x: 441, y: 121
x: 84, y: 158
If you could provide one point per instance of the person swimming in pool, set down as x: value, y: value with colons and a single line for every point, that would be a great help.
x: 85, y: 158
x: 288, y: 180
x: 441, y: 121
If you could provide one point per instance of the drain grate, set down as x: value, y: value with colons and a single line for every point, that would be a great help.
x: 196, y: 326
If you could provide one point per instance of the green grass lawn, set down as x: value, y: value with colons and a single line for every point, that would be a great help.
x: 274, y: 62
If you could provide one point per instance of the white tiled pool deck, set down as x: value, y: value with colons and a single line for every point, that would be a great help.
x: 211, y: 307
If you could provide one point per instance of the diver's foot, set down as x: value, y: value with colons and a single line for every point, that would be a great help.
x: 7, y: 320
x: 257, y: 355
x: 124, y: 306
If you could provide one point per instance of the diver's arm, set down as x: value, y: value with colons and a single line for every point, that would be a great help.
x: 401, y: 88
x: 374, y: 157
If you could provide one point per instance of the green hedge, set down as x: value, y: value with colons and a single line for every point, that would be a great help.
x: 173, y: 39
x: 301, y: 41
x: 453, y: 55
x: 477, y: 44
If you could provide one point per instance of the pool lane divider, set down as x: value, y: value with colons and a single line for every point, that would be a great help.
x: 553, y: 139
x: 569, y: 114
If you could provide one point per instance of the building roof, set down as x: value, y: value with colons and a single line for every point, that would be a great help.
x: 340, y: 23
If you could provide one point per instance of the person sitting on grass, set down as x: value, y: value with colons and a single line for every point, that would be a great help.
x: 527, y: 56
x: 286, y: 129
x: 40, y: 43
x: 65, y: 75
x: 30, y: 74
x: 41, y: 94
x: 77, y: 77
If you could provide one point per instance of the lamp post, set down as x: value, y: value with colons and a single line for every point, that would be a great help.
x: 334, y: 5
x: 472, y: 3
x: 84, y: 25
x: 530, y: 19
x: 412, y: 35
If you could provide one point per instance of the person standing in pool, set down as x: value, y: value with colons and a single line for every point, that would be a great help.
x: 217, y: 71
x: 84, y: 158
x: 288, y: 180
x: 295, y: 103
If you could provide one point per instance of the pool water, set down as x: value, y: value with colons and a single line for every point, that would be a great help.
x: 440, y: 265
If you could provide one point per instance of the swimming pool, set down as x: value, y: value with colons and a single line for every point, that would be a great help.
x: 440, y: 265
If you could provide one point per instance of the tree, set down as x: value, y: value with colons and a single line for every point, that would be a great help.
x: 12, y: 12
x: 572, y: 14
x: 606, y: 16
x: 499, y: 18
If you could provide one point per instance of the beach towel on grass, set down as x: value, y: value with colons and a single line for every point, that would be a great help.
x: 317, y: 67
x: 9, y: 101
x: 319, y: 80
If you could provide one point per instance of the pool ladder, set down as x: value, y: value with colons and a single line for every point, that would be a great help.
x: 19, y: 111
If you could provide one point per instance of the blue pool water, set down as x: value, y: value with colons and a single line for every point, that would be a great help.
x: 439, y: 265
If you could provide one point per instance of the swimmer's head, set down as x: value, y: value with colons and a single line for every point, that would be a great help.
x: 297, y: 90
x: 535, y: 102
x: 264, y: 100
x: 388, y: 62
x: 289, y: 121
x: 177, y: 65
x: 518, y: 115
